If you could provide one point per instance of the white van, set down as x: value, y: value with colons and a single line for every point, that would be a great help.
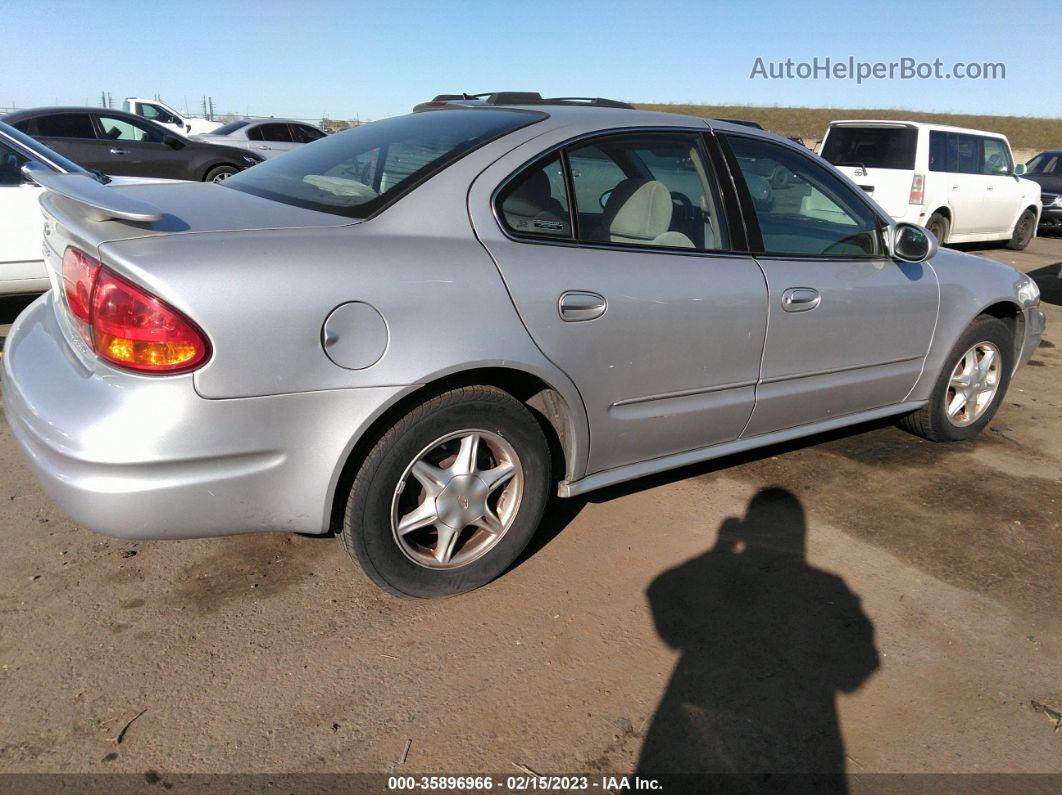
x: 960, y: 184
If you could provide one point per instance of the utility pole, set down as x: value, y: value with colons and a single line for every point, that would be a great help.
x: 211, y: 101
x: 109, y: 105
x: 204, y: 106
x: 103, y: 99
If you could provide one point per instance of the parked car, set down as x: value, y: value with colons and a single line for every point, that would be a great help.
x: 267, y: 137
x: 119, y: 143
x: 22, y: 267
x: 1046, y: 171
x: 410, y: 332
x: 162, y: 114
x: 960, y: 184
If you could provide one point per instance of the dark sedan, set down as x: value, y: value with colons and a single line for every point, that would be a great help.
x: 119, y: 143
x: 1046, y: 170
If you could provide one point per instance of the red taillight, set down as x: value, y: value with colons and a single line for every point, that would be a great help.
x: 79, y: 277
x: 127, y: 325
x: 918, y: 187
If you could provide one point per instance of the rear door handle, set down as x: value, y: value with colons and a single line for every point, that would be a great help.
x: 576, y: 305
x: 800, y: 299
x: 118, y: 151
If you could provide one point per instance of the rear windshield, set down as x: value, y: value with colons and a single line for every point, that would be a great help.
x: 232, y: 126
x: 358, y: 172
x: 871, y: 147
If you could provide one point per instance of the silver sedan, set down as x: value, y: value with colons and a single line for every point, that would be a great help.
x: 416, y: 332
x: 266, y: 137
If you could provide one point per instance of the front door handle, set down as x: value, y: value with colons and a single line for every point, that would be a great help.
x: 576, y: 305
x: 118, y: 151
x: 800, y: 299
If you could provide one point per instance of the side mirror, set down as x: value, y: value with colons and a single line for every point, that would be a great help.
x: 29, y: 171
x: 1020, y: 169
x: 188, y: 128
x: 172, y: 141
x: 911, y: 242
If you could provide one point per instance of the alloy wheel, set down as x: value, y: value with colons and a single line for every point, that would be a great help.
x: 457, y: 499
x: 973, y: 385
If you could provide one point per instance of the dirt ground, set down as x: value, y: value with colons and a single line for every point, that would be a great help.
x: 867, y: 600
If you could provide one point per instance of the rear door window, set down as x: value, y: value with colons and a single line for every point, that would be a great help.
x: 60, y: 125
x: 304, y: 134
x: 956, y: 153
x: 278, y: 133
x: 871, y: 147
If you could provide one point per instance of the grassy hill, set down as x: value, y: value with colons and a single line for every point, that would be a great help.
x: 810, y: 123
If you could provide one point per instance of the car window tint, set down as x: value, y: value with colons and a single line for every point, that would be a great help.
x: 655, y: 189
x: 62, y: 125
x: 279, y: 133
x: 255, y: 133
x: 536, y: 202
x: 11, y: 163
x: 967, y: 154
x: 802, y: 208
x: 995, y: 157
x: 871, y: 147
x: 115, y: 129
x: 304, y: 134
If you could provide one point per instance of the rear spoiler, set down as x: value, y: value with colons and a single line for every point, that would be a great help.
x: 100, y: 202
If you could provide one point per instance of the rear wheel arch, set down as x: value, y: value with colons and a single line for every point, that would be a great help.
x: 549, y: 407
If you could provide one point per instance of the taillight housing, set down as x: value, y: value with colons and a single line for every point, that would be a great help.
x: 125, y: 324
x: 918, y: 189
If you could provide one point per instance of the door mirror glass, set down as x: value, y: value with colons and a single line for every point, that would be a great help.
x: 1019, y: 169
x: 912, y: 243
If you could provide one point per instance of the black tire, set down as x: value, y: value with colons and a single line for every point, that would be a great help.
x: 367, y: 527
x: 931, y: 421
x: 219, y: 173
x: 1023, y: 232
x: 939, y: 225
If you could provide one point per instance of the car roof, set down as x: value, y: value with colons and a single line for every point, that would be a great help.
x: 917, y: 125
x: 271, y: 120
x: 29, y: 113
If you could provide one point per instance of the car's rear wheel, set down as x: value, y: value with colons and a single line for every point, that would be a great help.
x: 938, y: 225
x: 220, y: 173
x: 1023, y: 231
x: 450, y: 495
x: 971, y: 385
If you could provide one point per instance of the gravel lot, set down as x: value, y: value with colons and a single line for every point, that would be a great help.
x: 893, y: 605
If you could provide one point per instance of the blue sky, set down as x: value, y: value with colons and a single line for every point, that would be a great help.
x: 376, y: 59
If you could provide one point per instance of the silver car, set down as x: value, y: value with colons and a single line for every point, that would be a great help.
x: 416, y: 332
x: 266, y: 137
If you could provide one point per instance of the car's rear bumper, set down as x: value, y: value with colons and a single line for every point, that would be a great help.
x: 147, y: 457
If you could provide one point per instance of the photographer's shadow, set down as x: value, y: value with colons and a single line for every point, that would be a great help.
x: 767, y: 642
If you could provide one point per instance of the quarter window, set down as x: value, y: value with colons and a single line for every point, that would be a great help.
x: 802, y: 208
x: 536, y: 202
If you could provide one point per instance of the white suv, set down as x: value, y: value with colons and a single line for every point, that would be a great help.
x: 960, y: 184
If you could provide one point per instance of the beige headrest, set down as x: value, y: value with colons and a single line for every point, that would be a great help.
x: 639, y: 209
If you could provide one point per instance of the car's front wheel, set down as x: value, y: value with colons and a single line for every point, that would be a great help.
x: 971, y: 385
x: 450, y: 495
